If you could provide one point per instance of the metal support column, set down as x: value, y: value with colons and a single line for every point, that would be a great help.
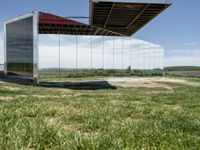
x: 122, y: 54
x: 103, y: 54
x: 113, y: 53
x: 59, y: 53
x: 76, y: 53
x: 131, y: 53
x: 91, y: 54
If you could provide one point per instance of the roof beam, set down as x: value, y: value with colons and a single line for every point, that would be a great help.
x: 138, y: 15
x: 109, y: 15
x: 97, y: 30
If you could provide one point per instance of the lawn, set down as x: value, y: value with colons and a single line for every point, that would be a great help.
x: 163, y: 116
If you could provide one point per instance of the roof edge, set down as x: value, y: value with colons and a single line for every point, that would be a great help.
x: 133, y: 1
x: 19, y: 17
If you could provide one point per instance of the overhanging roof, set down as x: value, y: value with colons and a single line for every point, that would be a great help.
x: 52, y: 24
x: 107, y: 18
x: 123, y: 17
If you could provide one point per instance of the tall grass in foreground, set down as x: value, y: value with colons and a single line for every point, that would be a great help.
x: 125, y: 118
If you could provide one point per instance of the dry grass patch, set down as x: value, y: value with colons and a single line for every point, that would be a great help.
x: 11, y: 88
x: 173, y: 107
x: 73, y: 128
x: 114, y: 94
x: 47, y: 96
x: 117, y: 102
x: 64, y: 91
x: 158, y: 82
x: 6, y: 98
x: 82, y: 94
x: 61, y: 109
x: 52, y: 121
x: 1, y: 82
x: 158, y: 92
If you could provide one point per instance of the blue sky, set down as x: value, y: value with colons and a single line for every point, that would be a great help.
x: 177, y: 29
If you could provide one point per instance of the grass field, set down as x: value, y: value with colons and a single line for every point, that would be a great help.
x: 157, y: 113
x: 183, y: 73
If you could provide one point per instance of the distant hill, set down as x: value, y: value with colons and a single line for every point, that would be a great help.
x: 182, y: 68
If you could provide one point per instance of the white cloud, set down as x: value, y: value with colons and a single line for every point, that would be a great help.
x: 182, y: 53
x: 141, y: 54
x: 182, y: 61
x: 190, y: 57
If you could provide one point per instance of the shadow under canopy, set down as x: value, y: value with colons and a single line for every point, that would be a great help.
x: 86, y: 85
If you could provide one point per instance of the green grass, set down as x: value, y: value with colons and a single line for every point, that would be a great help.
x: 33, y: 117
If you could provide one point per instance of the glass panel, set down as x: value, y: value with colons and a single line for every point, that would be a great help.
x: 69, y: 55
x: 97, y: 52
x: 127, y: 55
x: 49, y: 58
x: 118, y: 53
x: 108, y: 53
x: 1, y: 53
x: 20, y: 47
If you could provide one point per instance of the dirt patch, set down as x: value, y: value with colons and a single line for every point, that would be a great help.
x: 72, y: 127
x: 64, y: 91
x: 117, y: 102
x: 1, y: 82
x: 21, y: 96
x: 10, y: 88
x: 46, y: 96
x: 6, y: 98
x: 78, y: 128
x: 78, y: 94
x: 158, y: 92
x: 62, y: 109
x: 42, y: 96
x: 52, y: 121
x: 173, y: 107
x: 114, y: 94
x: 146, y: 82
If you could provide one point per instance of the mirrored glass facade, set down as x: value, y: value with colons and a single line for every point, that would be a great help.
x: 76, y: 57
x: 19, y: 47
x: 70, y: 58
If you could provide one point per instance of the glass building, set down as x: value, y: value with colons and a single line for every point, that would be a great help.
x: 105, y: 43
x: 62, y: 56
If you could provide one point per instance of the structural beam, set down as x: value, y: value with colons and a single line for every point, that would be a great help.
x: 138, y: 15
x: 123, y: 17
x: 109, y: 15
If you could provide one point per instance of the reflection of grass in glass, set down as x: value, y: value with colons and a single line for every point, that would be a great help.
x: 71, y: 79
x: 95, y: 74
x: 34, y: 117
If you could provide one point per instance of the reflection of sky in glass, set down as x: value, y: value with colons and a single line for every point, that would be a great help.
x: 49, y: 44
x: 96, y: 52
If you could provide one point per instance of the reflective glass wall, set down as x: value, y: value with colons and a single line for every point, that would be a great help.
x: 19, y: 56
x: 70, y: 58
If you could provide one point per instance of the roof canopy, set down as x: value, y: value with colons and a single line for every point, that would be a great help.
x: 107, y: 18
x: 52, y: 24
x: 123, y: 17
